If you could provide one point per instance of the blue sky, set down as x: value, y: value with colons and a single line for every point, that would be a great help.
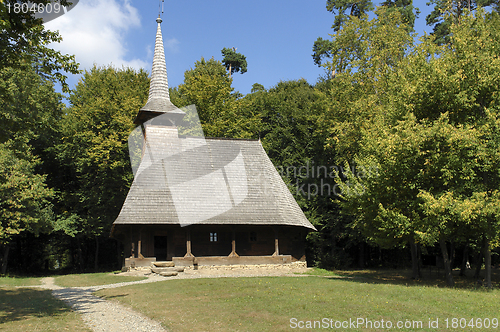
x: 276, y: 36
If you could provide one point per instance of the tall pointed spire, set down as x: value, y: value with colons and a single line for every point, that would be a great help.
x: 159, y: 99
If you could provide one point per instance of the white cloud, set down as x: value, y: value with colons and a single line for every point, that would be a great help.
x: 172, y: 45
x: 95, y: 32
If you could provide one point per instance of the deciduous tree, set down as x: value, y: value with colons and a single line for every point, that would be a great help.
x: 435, y: 143
x: 94, y: 151
x: 208, y: 87
x: 24, y: 43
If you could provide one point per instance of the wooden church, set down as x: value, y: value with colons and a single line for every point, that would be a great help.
x: 203, y: 201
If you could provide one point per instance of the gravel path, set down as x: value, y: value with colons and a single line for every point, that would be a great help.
x: 101, y: 315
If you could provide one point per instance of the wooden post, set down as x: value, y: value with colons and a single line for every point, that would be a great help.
x: 188, y: 244
x: 139, y: 254
x: 233, y: 244
x: 276, y: 246
x: 132, y: 247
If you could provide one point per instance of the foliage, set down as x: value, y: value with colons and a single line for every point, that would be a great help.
x: 447, y: 12
x: 24, y: 43
x: 351, y: 47
x: 405, y: 8
x: 434, y: 143
x: 28, y: 112
x: 347, y: 9
x: 24, y: 197
x: 234, y: 62
x: 30, y: 109
x: 208, y: 87
x: 93, y: 152
x: 368, y: 51
x: 293, y: 133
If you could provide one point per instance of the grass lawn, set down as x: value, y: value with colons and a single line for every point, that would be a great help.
x: 92, y: 279
x: 431, y: 278
x: 30, y: 309
x: 19, y: 281
x: 269, y: 303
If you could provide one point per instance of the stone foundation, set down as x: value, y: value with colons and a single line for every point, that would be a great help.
x: 139, y: 262
x: 284, y: 266
x: 292, y: 265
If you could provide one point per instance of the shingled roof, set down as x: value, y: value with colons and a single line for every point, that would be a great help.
x: 207, y: 181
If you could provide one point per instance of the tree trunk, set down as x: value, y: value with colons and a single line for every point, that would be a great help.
x: 465, y: 260
x: 119, y: 258
x: 479, y: 263
x: 5, y: 258
x: 414, y: 261
x: 487, y: 263
x: 446, y: 262
x: 452, y: 253
x: 96, y: 258
x: 229, y: 70
x: 80, y: 256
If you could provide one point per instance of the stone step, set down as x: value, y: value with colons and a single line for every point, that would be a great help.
x: 167, y: 269
x: 164, y: 264
x: 168, y: 274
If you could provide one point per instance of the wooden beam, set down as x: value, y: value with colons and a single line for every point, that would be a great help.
x: 276, y: 245
x: 233, y: 244
x: 139, y: 254
x: 188, y: 243
x: 131, y: 241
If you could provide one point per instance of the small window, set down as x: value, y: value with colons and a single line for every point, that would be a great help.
x: 213, y: 237
x: 253, y: 236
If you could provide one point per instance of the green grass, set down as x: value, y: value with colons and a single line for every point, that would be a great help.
x: 29, y: 309
x: 268, y: 303
x: 19, y: 281
x: 430, y: 278
x: 92, y: 279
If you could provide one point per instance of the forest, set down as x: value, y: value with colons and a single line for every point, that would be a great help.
x: 393, y: 154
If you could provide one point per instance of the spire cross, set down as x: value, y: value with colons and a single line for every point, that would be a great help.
x: 160, y: 7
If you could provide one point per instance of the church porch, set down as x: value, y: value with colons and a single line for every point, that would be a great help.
x: 207, y: 245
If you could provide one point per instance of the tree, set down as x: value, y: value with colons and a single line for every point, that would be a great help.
x: 208, y: 87
x: 293, y: 132
x: 31, y: 108
x: 25, y: 200
x: 29, y: 113
x: 346, y: 9
x: 325, y: 48
x: 234, y: 62
x: 446, y: 12
x: 24, y: 40
x: 93, y: 153
x: 344, y: 48
x: 405, y: 8
x: 257, y: 87
x: 432, y: 141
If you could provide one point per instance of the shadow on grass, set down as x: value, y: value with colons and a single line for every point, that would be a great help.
x: 107, y: 297
x: 20, y: 303
x: 429, y: 278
